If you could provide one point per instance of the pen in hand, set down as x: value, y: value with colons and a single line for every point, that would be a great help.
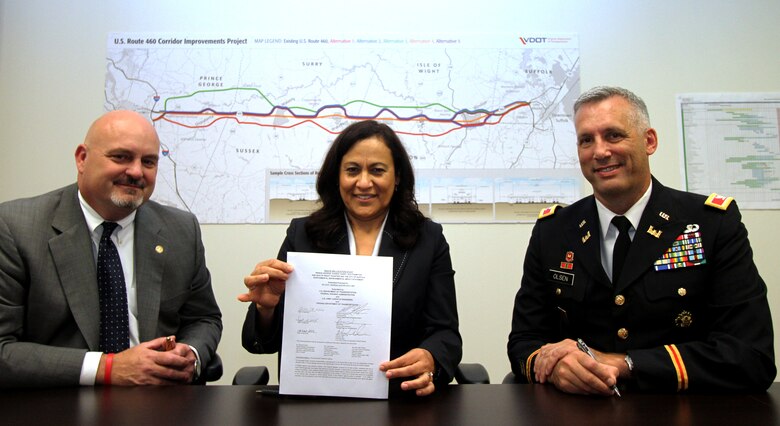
x: 584, y: 348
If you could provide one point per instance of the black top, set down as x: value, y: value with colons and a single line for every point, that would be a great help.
x: 424, y: 311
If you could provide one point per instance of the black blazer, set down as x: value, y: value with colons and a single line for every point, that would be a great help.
x: 424, y: 307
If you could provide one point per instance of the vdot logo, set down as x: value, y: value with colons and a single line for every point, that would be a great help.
x: 527, y: 40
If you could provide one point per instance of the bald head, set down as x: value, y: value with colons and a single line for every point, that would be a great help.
x: 117, y: 163
x: 115, y: 122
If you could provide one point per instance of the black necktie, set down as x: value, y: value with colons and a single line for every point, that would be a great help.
x: 114, y: 330
x: 622, y: 244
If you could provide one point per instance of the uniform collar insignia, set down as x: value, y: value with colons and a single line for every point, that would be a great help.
x: 654, y: 232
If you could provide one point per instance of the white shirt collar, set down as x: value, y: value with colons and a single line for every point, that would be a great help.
x: 634, y: 214
x: 94, y: 219
x: 351, y: 236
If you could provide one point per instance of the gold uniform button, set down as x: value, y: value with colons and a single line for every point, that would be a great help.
x: 682, y: 291
x: 557, y: 292
x: 623, y: 333
x: 620, y: 300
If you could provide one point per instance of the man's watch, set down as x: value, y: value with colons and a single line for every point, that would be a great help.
x: 197, y: 369
x: 630, y: 364
x: 196, y: 375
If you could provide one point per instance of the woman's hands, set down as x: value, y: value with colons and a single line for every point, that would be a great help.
x: 266, y: 284
x: 417, y: 364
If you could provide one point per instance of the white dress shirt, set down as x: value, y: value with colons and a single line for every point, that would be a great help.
x: 351, y: 237
x: 609, y: 232
x: 124, y: 239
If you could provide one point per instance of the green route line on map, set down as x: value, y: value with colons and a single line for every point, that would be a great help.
x: 315, y: 112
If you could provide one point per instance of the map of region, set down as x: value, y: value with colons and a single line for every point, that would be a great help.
x: 245, y: 121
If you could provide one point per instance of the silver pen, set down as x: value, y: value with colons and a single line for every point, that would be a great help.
x: 584, y: 348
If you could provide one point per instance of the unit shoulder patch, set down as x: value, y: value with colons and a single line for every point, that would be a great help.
x: 548, y: 211
x: 718, y: 201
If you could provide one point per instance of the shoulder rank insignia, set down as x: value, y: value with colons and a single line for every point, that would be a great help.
x: 719, y: 201
x: 548, y: 211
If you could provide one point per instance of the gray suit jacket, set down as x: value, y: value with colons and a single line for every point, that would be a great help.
x: 49, y: 309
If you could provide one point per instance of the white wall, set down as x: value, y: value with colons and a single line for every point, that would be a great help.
x: 52, y: 67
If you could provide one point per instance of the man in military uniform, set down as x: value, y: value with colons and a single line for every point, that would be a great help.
x: 686, y: 311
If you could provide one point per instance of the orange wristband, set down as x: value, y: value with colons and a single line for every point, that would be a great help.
x: 109, y: 364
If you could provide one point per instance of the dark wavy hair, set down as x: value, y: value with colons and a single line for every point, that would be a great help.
x: 325, y: 224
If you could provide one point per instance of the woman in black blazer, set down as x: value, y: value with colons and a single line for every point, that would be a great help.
x: 366, y: 187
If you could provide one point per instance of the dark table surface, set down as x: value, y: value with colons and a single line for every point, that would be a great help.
x: 455, y: 405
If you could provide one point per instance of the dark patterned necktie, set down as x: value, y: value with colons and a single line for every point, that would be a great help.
x: 622, y: 245
x: 114, y: 329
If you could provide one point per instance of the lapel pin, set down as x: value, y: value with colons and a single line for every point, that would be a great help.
x: 159, y: 249
x: 583, y: 223
x: 654, y: 232
x: 664, y: 216
x: 586, y: 237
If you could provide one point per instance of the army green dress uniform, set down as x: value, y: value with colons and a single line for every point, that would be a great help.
x: 690, y: 308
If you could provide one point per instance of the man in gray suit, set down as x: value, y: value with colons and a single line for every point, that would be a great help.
x: 50, y: 310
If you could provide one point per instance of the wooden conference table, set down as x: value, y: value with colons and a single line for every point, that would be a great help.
x: 456, y: 405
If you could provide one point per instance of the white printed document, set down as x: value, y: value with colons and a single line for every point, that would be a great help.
x: 337, y: 313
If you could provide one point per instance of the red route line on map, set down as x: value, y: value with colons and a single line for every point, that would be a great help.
x: 164, y: 117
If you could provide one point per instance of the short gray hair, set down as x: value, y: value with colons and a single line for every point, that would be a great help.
x: 600, y: 93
